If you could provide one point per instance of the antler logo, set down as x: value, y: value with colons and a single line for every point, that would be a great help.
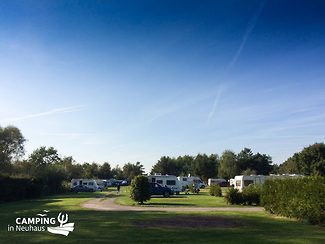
x: 62, y: 218
x: 63, y: 228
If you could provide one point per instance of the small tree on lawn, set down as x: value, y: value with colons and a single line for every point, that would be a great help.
x: 140, y: 189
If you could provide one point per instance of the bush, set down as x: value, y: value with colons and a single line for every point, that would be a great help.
x: 301, y: 198
x: 13, y: 189
x: 233, y: 196
x: 249, y: 196
x: 252, y: 194
x: 215, y: 190
x: 140, y: 189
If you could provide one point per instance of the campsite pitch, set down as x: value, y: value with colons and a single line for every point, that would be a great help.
x: 92, y: 226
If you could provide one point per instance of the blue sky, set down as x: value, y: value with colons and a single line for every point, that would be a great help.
x: 127, y: 81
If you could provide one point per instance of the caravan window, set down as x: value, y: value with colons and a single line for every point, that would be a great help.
x: 248, y: 182
x: 74, y: 183
x: 159, y: 181
x: 171, y: 182
x: 91, y: 183
x: 238, y: 183
x: 184, y: 179
x: 84, y: 183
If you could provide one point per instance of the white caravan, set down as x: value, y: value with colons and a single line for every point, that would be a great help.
x: 186, y: 181
x: 90, y: 183
x: 170, y: 181
x: 242, y: 181
x: 221, y: 182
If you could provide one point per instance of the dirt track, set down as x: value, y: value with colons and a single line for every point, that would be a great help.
x: 108, y: 204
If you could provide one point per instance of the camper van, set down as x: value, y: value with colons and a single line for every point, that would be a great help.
x: 170, y: 181
x: 186, y: 181
x: 90, y: 183
x: 220, y: 182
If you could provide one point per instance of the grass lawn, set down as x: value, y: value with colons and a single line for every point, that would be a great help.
x: 203, y: 199
x: 123, y: 227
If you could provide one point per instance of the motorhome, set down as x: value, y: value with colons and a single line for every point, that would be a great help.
x: 186, y: 181
x: 220, y: 182
x: 242, y: 181
x: 102, y: 184
x: 170, y: 181
x: 90, y: 183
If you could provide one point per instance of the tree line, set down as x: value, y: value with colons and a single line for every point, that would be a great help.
x: 45, y: 171
x: 226, y: 166
x: 45, y: 164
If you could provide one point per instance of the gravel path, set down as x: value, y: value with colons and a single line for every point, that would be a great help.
x: 108, y: 204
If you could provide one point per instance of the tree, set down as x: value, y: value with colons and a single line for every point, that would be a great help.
x: 310, y: 161
x: 228, y: 165
x: 44, y: 156
x: 132, y: 170
x: 105, y: 171
x: 72, y: 169
x: 206, y: 167
x: 117, y: 173
x: 185, y: 164
x: 140, y: 189
x: 11, y: 146
x: 90, y: 170
x: 166, y: 166
x: 258, y: 163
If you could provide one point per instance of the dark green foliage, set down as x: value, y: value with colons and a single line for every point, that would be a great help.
x: 310, y: 161
x: 132, y: 170
x: 215, y: 190
x: 233, y: 196
x: 19, y: 188
x: 206, y: 166
x: 249, y: 196
x: 258, y: 163
x: 228, y: 167
x: 301, y: 198
x: 140, y: 189
x: 252, y: 194
x: 202, y: 165
x: 167, y: 166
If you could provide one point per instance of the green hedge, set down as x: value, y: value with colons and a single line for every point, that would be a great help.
x: 249, y: 196
x: 12, y: 189
x: 301, y: 198
x: 215, y: 190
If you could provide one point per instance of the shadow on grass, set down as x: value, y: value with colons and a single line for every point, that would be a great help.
x: 168, y: 204
x: 121, y: 227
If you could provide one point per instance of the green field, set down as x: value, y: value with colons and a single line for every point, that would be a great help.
x: 203, y: 199
x: 125, y: 227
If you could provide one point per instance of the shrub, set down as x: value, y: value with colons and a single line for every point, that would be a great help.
x: 233, y: 196
x: 140, y: 189
x: 215, y: 190
x: 191, y: 188
x: 252, y: 194
x: 13, y: 189
x: 301, y: 198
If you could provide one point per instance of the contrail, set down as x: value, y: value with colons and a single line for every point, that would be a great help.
x: 215, y: 104
x: 46, y: 113
x: 249, y: 29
